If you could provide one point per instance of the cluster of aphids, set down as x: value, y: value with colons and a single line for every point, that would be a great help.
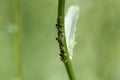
x: 60, y: 36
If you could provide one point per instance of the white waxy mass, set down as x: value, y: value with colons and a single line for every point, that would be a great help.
x: 70, y: 28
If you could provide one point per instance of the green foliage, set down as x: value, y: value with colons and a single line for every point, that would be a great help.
x: 96, y: 55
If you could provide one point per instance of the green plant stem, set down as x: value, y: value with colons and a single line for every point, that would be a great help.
x: 67, y: 61
x: 18, y: 38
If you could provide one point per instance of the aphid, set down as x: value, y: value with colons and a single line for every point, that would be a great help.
x: 70, y: 28
x: 59, y: 20
x: 59, y: 38
x: 63, y: 59
x: 56, y: 25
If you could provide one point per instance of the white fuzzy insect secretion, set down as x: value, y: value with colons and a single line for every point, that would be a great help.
x: 70, y: 28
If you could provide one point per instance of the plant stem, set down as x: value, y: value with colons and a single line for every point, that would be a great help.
x: 62, y: 40
x: 17, y: 38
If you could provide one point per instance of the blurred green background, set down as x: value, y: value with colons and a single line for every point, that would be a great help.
x: 96, y: 55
